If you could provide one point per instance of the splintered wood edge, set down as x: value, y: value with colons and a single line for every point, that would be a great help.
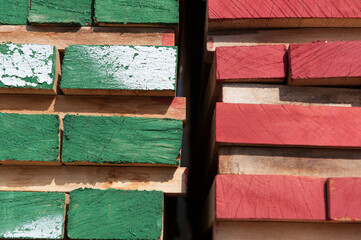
x: 252, y: 80
x: 111, y: 92
x: 337, y: 81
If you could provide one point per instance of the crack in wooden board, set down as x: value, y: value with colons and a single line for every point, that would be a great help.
x: 14, y: 12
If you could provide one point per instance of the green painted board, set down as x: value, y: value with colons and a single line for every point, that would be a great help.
x: 29, y: 137
x: 62, y: 12
x: 32, y: 215
x: 14, y: 12
x: 129, y: 68
x: 136, y: 12
x: 115, y: 214
x: 121, y: 140
x: 27, y: 66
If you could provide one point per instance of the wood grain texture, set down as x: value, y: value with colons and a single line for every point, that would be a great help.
x: 344, y: 199
x: 281, y: 13
x: 288, y: 125
x: 322, y: 63
x: 14, y: 12
x: 62, y: 37
x: 296, y: 95
x: 64, y: 12
x: 29, y: 137
x: 115, y: 214
x: 32, y: 215
x: 121, y: 140
x: 136, y: 12
x: 171, y: 181
x: 285, y: 231
x: 28, y: 68
x: 251, y: 63
x: 290, y: 161
x: 266, y: 197
x: 119, y: 70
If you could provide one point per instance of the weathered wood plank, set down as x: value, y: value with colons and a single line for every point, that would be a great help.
x: 344, y: 199
x: 28, y: 68
x: 29, y: 138
x: 266, y: 197
x: 283, y: 94
x: 119, y: 70
x: 65, y: 12
x: 322, y: 63
x: 288, y: 125
x: 154, y: 107
x: 121, y: 140
x: 171, y: 181
x: 32, y: 215
x: 290, y: 161
x: 285, y: 231
x: 108, y: 12
x: 230, y: 14
x: 62, y: 37
x: 251, y: 63
x: 115, y: 214
x: 14, y: 12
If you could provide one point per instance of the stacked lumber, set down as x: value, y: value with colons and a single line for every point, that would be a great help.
x: 91, y: 125
x: 285, y: 136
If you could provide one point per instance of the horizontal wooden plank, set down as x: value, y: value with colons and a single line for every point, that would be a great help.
x: 230, y: 14
x: 65, y: 12
x: 119, y: 70
x: 288, y: 125
x: 323, y: 63
x: 251, y: 63
x: 285, y: 231
x: 281, y: 36
x: 28, y: 68
x: 344, y: 199
x: 14, y: 12
x: 32, y: 215
x: 115, y: 214
x: 129, y: 12
x: 171, y: 181
x: 283, y: 94
x: 266, y: 197
x: 121, y: 140
x: 62, y: 37
x: 290, y: 161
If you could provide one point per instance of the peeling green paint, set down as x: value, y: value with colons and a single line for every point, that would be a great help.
x: 32, y: 215
x: 64, y: 12
x: 136, y: 11
x: 119, y: 67
x: 14, y: 12
x: 119, y: 140
x: 115, y: 214
x: 27, y: 66
x: 29, y: 137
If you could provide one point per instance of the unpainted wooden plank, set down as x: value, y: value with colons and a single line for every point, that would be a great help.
x: 310, y: 162
x: 32, y: 215
x: 288, y: 125
x: 14, y: 12
x: 115, y: 214
x: 251, y: 63
x: 296, y: 95
x: 119, y: 70
x: 323, y: 63
x: 269, y: 197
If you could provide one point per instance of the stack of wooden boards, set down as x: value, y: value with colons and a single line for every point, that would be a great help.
x: 287, y: 129
x: 100, y: 97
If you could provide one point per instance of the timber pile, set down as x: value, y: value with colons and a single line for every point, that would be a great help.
x: 91, y: 126
x: 286, y: 134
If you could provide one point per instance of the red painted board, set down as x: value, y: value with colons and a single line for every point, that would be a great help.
x: 251, y: 62
x: 344, y: 199
x: 288, y: 125
x: 238, y: 9
x: 325, y: 60
x: 266, y: 197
